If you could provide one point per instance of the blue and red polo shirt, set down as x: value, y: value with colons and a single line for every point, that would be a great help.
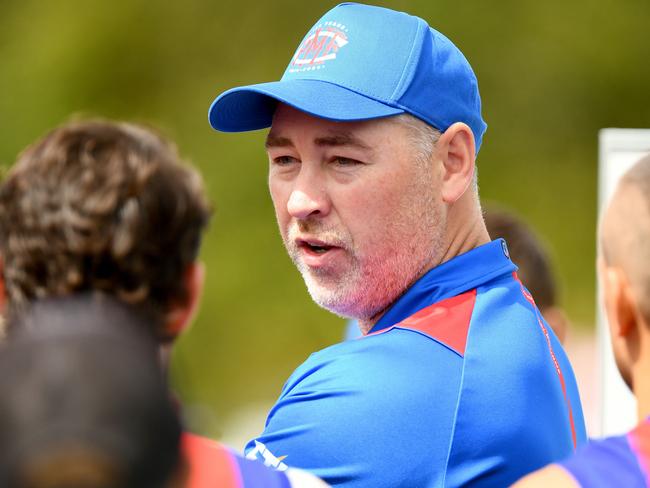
x: 461, y: 381
x: 616, y: 461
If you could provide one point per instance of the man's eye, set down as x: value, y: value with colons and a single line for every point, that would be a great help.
x: 284, y: 160
x: 346, y: 161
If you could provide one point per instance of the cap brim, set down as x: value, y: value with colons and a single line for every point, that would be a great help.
x: 252, y: 107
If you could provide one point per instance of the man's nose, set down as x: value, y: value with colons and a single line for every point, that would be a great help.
x: 308, y: 197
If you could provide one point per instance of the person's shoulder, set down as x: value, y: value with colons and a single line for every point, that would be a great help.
x: 395, y: 353
x: 507, y: 305
x: 399, y: 372
x: 387, y: 381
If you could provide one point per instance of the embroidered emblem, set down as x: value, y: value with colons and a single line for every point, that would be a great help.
x: 319, y: 46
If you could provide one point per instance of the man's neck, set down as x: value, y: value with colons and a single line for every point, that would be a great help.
x: 465, y: 227
x: 469, y: 235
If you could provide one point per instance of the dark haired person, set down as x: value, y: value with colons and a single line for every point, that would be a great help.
x: 82, y: 400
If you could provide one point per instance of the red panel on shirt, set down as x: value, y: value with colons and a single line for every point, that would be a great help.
x: 446, y: 321
x: 210, y: 464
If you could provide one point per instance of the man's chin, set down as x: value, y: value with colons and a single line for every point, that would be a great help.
x: 330, y: 297
x: 339, y: 300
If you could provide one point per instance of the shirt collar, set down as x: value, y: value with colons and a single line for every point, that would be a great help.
x: 458, y: 275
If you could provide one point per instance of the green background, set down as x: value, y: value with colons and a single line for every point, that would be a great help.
x: 551, y: 73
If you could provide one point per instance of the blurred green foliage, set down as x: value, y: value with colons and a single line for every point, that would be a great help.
x: 551, y: 75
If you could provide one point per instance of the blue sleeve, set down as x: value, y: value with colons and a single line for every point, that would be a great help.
x: 377, y: 411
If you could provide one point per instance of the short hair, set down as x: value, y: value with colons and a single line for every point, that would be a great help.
x: 423, y: 139
x: 527, y: 252
x: 639, y: 176
x: 423, y: 136
x: 101, y: 205
x: 83, y: 403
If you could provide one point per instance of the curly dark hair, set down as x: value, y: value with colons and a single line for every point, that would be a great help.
x: 98, y: 205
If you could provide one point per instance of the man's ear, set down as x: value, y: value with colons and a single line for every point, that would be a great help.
x: 181, y: 314
x: 456, y: 149
x: 620, y: 304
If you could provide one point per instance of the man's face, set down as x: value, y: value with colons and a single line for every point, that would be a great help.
x: 360, y: 216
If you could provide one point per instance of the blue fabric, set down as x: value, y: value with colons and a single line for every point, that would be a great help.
x: 362, y: 62
x: 400, y: 409
x: 255, y: 475
x: 605, y: 463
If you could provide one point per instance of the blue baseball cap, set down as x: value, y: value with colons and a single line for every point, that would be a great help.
x: 361, y: 62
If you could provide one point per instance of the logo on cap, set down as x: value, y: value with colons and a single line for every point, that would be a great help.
x: 319, y: 46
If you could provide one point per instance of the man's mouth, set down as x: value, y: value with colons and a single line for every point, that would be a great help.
x: 314, y: 246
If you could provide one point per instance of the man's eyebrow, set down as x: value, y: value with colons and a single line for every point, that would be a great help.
x: 333, y: 140
x: 342, y: 139
x: 276, y: 141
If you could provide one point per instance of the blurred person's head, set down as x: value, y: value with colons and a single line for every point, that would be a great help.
x: 624, y: 272
x: 96, y: 205
x: 535, y: 271
x: 83, y: 403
